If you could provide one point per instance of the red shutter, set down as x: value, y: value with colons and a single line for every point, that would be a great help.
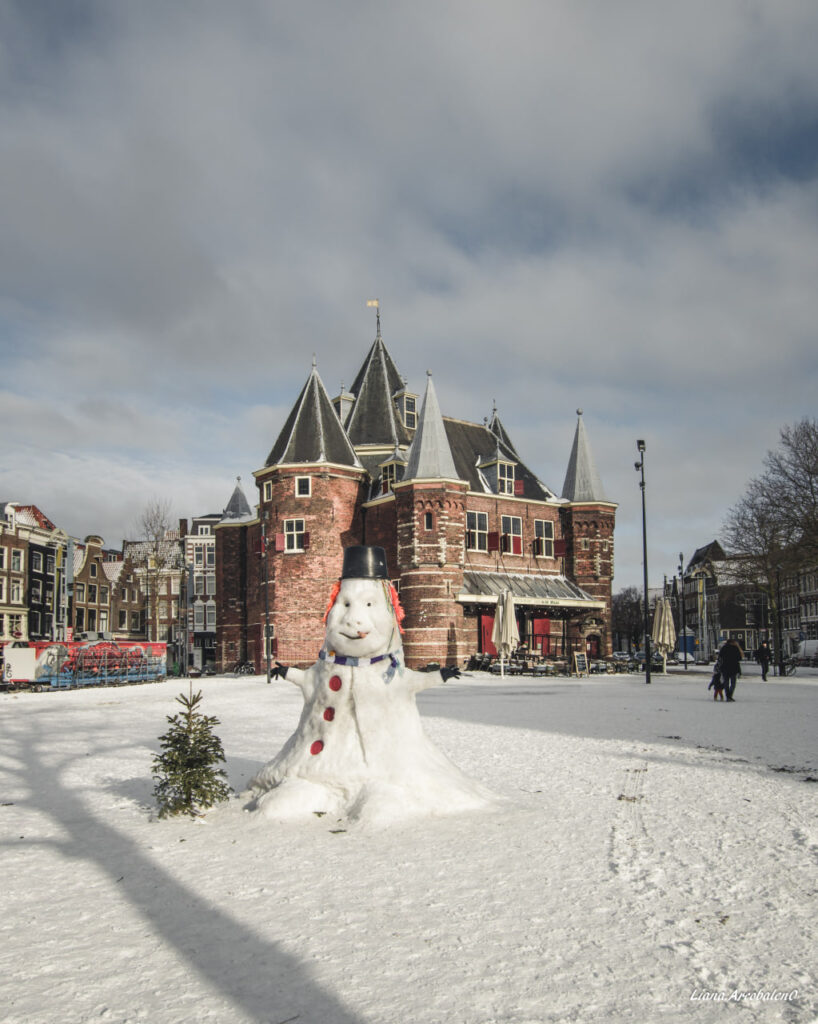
x: 281, y: 543
x: 305, y: 541
x: 494, y: 541
x: 518, y: 487
x: 516, y: 545
x: 559, y: 549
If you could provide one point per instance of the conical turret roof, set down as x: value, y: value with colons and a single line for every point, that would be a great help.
x: 374, y: 418
x: 500, y: 432
x: 238, y: 508
x: 582, y: 482
x: 430, y: 456
x: 313, y: 432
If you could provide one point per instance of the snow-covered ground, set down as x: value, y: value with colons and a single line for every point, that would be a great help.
x: 656, y: 860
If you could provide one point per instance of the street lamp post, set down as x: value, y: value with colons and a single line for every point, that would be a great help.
x: 640, y: 468
x: 681, y: 597
x: 266, y: 595
x: 779, y: 643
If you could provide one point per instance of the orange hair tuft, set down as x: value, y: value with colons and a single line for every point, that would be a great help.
x: 332, y: 597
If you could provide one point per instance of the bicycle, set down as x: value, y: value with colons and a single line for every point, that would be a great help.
x: 790, y: 665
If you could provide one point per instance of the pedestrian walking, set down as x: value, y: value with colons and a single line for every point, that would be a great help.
x: 717, y: 683
x: 764, y: 657
x: 730, y: 657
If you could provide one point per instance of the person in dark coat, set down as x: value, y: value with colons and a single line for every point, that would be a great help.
x: 764, y: 657
x: 730, y: 656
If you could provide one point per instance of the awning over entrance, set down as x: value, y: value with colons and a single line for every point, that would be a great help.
x: 548, y: 592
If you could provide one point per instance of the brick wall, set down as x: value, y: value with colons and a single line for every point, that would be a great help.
x: 301, y: 580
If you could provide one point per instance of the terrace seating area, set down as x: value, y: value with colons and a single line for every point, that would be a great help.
x: 538, y: 666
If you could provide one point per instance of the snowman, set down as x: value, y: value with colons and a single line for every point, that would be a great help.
x: 359, y: 750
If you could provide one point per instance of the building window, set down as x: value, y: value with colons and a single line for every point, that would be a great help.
x: 2, y: 589
x: 198, y: 555
x: 92, y: 593
x: 36, y: 561
x: 36, y: 592
x: 79, y: 624
x: 16, y: 625
x: 211, y: 583
x: 198, y: 616
x: 303, y: 486
x: 543, y: 538
x: 477, y: 531
x: 211, y: 555
x: 505, y: 478
x: 268, y: 490
x: 388, y: 477
x: 512, y: 530
x: 199, y: 584
x: 49, y: 565
x: 204, y: 531
x: 79, y: 591
x: 584, y: 544
x: 123, y: 619
x: 103, y: 621
x: 428, y: 521
x: 16, y: 560
x: 135, y: 621
x: 103, y: 595
x: 93, y: 570
x: 34, y: 623
x: 294, y: 534
x: 211, y: 616
x: 410, y: 415
x: 2, y: 558
x: 16, y: 592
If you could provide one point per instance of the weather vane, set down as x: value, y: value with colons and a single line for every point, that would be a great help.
x: 377, y: 304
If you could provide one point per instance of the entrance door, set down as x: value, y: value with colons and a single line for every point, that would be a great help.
x: 486, y: 629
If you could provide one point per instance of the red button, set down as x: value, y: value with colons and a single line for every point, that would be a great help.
x: 329, y: 714
x: 335, y: 683
x: 317, y: 747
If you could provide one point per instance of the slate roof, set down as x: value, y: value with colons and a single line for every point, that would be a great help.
x: 712, y: 552
x: 313, y: 432
x: 582, y: 482
x: 374, y: 418
x: 238, y: 508
x: 430, y: 456
x: 473, y: 442
x: 497, y: 428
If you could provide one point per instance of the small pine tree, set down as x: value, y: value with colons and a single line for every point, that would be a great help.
x: 186, y: 775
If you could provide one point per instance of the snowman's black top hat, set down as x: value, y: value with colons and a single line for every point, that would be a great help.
x: 364, y: 563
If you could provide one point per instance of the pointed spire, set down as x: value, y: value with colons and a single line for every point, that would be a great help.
x: 313, y: 432
x: 238, y: 508
x: 499, y: 431
x: 430, y: 455
x: 582, y: 482
x: 374, y: 418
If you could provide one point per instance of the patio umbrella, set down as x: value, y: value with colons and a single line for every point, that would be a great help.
x: 505, y: 636
x: 663, y: 636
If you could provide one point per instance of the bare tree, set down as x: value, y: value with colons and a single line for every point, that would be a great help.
x: 153, y: 555
x: 627, y: 618
x: 772, y: 530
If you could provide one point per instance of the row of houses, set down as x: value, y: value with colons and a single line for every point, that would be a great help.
x: 55, y: 587
x: 715, y: 605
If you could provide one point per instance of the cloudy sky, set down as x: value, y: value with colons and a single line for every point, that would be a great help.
x: 559, y: 204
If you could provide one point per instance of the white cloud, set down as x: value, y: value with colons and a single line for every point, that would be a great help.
x: 559, y: 205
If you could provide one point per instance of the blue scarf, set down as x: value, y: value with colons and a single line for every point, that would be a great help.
x: 348, y: 659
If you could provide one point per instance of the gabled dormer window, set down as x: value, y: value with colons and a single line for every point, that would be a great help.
x: 505, y: 478
x: 408, y: 408
x: 388, y: 477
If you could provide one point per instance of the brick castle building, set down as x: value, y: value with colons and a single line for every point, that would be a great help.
x: 462, y: 519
